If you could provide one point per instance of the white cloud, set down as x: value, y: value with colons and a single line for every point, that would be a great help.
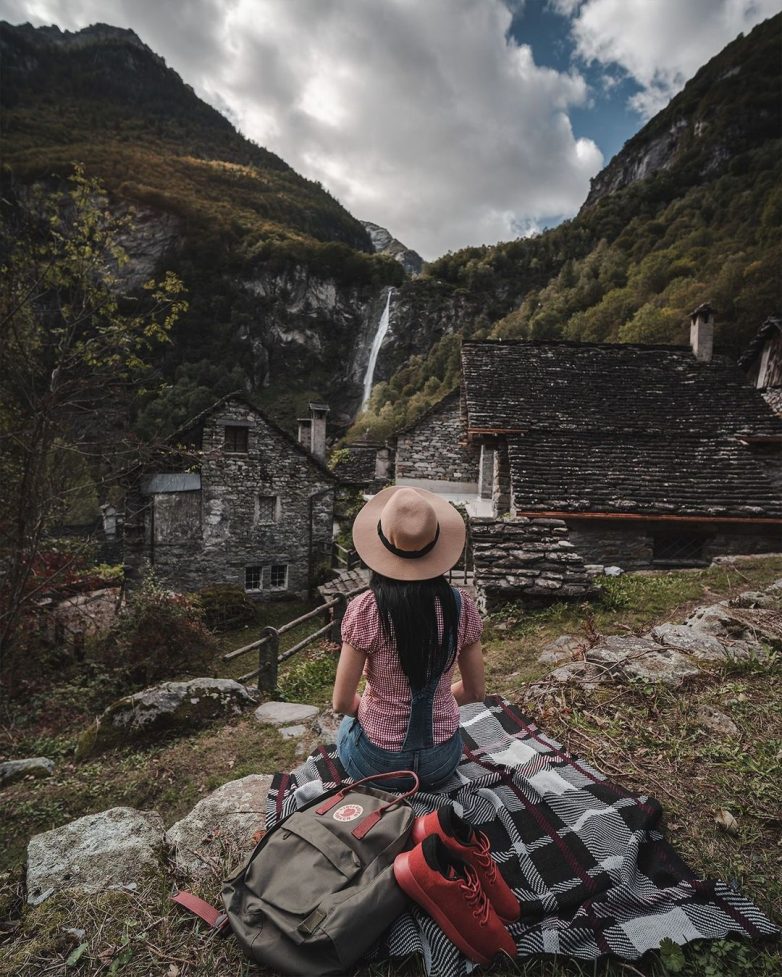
x: 565, y: 8
x: 662, y: 44
x: 424, y: 117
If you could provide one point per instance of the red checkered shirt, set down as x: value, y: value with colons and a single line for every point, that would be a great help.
x: 385, y: 704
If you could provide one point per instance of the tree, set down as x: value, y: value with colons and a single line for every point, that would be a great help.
x: 73, y: 346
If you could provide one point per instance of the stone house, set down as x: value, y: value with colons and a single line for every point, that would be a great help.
x: 635, y: 455
x: 434, y: 453
x: 363, y: 466
x: 247, y: 505
x: 762, y: 362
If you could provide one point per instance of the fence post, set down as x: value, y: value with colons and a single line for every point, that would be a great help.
x: 267, y: 660
x: 338, y: 612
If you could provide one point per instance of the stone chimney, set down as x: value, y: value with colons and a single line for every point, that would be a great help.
x: 382, y: 462
x: 702, y: 332
x: 318, y: 430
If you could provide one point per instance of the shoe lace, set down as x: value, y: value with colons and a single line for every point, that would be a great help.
x: 475, y: 898
x: 483, y: 855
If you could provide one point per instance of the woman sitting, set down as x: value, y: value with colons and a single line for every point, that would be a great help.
x: 407, y: 633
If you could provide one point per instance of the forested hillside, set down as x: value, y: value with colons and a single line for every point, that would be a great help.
x: 279, y: 277
x: 284, y: 292
x: 688, y: 211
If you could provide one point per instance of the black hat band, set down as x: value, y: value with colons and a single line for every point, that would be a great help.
x: 407, y: 554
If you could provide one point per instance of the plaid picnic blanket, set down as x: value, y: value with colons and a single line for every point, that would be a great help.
x: 585, y: 857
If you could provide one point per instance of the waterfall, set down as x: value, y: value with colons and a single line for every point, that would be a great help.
x: 377, y: 342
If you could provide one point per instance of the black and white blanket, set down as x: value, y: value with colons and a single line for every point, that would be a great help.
x: 585, y: 857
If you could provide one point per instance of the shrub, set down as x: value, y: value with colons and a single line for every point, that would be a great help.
x: 225, y: 606
x: 161, y: 635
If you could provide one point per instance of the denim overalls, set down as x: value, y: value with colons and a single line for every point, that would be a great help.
x: 434, y: 764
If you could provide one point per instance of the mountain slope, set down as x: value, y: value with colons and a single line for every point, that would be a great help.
x: 281, y: 279
x: 688, y: 211
x: 103, y: 97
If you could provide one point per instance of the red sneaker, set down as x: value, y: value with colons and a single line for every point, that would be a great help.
x: 460, y: 838
x: 449, y: 890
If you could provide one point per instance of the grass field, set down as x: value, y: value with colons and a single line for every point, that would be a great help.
x: 644, y: 737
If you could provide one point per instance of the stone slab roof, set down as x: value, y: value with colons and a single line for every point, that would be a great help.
x: 640, y: 473
x: 601, y: 387
x: 177, y: 482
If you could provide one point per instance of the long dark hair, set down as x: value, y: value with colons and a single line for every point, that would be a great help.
x: 408, y: 618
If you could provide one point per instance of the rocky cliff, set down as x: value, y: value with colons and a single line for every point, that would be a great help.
x: 384, y: 243
x: 710, y: 121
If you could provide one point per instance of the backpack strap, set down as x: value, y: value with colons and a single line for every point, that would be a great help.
x: 217, y: 920
x: 371, y: 820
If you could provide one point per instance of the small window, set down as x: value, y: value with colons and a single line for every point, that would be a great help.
x: 235, y: 440
x: 252, y: 578
x: 673, y: 549
x: 268, y: 510
x: 278, y: 576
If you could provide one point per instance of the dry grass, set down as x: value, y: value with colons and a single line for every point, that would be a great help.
x: 644, y: 737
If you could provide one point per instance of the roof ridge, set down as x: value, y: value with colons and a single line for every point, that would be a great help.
x: 576, y: 344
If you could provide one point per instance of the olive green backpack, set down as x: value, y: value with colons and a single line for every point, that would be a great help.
x: 319, y: 889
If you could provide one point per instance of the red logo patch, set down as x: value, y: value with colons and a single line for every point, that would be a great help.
x: 348, y: 812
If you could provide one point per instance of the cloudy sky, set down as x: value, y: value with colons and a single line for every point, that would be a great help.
x: 450, y: 122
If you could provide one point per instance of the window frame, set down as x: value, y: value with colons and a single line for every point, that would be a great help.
x: 235, y: 428
x: 276, y: 509
x: 278, y: 566
x: 251, y: 569
x: 690, y: 549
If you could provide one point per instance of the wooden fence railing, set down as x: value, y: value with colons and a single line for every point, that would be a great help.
x: 268, y: 645
x: 345, y: 558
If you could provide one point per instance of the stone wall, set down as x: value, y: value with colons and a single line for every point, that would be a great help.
x: 605, y: 542
x: 631, y: 544
x: 527, y: 560
x: 435, y: 448
x: 211, y: 536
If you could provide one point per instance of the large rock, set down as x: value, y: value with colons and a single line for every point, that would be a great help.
x: 220, y: 827
x: 633, y: 657
x: 285, y: 713
x: 118, y: 847
x: 565, y: 648
x: 13, y: 770
x: 742, y: 630
x: 173, y: 705
x: 771, y: 600
x: 581, y: 672
x: 716, y: 619
x: 699, y: 644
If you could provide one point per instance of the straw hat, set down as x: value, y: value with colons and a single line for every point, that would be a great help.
x: 409, y: 534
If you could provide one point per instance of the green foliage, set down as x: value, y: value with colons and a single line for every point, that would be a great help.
x: 634, y: 262
x: 638, y: 285
x: 166, y: 157
x: 160, y: 636
x: 225, y: 606
x: 718, y: 958
x: 672, y: 956
x: 653, y: 591
x: 311, y: 679
x: 420, y: 383
x: 73, y: 344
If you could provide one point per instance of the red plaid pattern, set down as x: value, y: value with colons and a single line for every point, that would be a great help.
x: 385, y: 703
